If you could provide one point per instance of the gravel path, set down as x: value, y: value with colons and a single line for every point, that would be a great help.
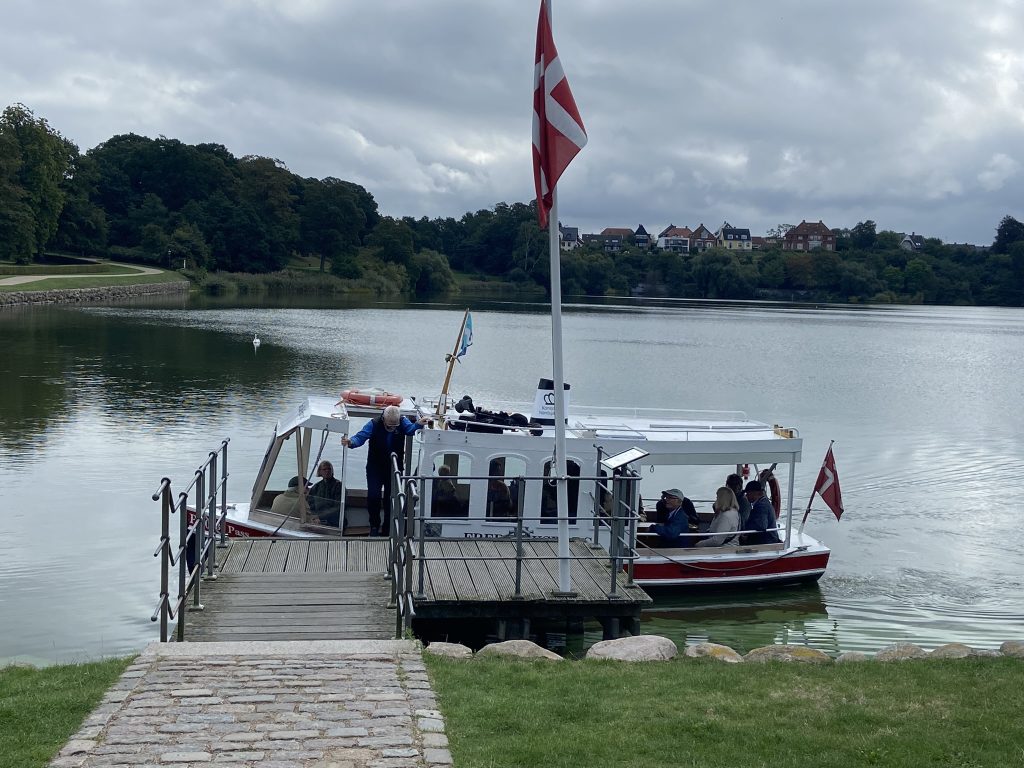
x: 135, y: 270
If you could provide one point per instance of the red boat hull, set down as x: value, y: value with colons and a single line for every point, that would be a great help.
x: 747, y: 571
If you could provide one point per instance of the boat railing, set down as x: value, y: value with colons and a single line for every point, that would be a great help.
x: 410, y: 527
x: 197, y: 542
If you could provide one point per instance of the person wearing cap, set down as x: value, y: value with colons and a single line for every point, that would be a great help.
x: 677, y: 522
x: 761, y: 522
x: 385, y: 435
x: 286, y: 503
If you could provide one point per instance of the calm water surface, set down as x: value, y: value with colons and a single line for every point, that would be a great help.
x: 98, y: 403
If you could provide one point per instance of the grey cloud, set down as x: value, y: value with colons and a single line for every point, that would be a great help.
x: 908, y: 113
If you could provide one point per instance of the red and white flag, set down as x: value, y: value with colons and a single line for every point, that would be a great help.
x: 827, y: 485
x: 558, y: 132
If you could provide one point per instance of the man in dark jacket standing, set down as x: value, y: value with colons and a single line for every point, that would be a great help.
x: 386, y: 435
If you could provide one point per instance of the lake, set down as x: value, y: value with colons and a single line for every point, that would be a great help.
x: 924, y: 403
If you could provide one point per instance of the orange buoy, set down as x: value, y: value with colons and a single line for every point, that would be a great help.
x: 375, y: 398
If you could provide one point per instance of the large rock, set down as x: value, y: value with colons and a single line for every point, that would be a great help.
x: 852, y: 657
x: 901, y: 652
x: 713, y: 651
x: 952, y: 651
x: 799, y: 653
x: 451, y: 650
x: 637, y: 648
x: 521, y: 649
x: 1013, y: 648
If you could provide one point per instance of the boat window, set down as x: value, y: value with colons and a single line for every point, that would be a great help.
x: 286, y: 467
x: 502, y: 490
x: 549, y: 498
x: 449, y: 496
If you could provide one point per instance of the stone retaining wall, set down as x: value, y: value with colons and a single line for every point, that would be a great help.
x: 79, y: 295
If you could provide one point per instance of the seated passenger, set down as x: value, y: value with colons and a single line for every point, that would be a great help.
x: 444, y: 501
x: 287, y: 503
x: 661, y: 512
x: 672, y: 532
x: 726, y: 520
x: 499, y: 500
x: 762, y: 517
x: 325, y: 496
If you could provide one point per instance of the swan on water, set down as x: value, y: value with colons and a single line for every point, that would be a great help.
x: 255, y: 340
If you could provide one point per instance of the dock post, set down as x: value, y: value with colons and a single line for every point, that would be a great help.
x: 211, y: 516
x: 223, y: 540
x: 519, y: 543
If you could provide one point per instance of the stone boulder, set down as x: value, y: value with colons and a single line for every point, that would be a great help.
x: 952, y: 651
x: 451, y: 650
x: 852, y: 657
x: 1013, y: 648
x: 713, y: 651
x: 637, y: 648
x: 990, y: 653
x: 520, y: 649
x: 901, y: 652
x: 798, y: 653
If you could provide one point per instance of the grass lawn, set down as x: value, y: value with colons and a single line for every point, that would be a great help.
x: 61, y: 283
x: 41, y: 708
x: 941, y: 714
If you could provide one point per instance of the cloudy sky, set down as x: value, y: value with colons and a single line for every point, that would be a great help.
x: 759, y: 112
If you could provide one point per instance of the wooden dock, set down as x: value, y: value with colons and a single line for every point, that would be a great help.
x: 474, y: 580
x: 336, y: 589
x: 287, y: 589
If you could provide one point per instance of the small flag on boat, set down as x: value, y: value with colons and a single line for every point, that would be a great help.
x: 558, y: 132
x: 827, y: 485
x: 467, y: 337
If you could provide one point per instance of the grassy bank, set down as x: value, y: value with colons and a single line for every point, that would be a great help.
x: 41, y: 708
x: 65, y: 283
x: 941, y: 714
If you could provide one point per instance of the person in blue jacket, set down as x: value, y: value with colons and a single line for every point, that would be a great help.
x: 386, y: 435
x: 677, y: 521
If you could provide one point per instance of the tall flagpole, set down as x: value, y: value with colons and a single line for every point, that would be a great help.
x: 558, y: 375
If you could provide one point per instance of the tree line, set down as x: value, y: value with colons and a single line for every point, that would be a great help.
x: 165, y: 202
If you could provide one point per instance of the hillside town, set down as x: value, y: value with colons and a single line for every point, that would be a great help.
x: 805, y: 236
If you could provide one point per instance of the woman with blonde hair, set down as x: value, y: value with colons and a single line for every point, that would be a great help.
x: 726, y: 520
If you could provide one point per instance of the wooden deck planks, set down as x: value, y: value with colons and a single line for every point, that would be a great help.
x: 297, y: 556
x: 258, y: 606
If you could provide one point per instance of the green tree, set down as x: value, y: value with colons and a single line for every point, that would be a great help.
x: 45, y: 157
x: 392, y: 239
x: 1008, y: 232
x: 17, y: 228
x: 863, y: 235
x: 429, y: 273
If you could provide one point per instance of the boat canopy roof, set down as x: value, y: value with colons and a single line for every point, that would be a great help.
x: 321, y: 413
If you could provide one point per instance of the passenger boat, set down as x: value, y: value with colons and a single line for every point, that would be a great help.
x: 478, y: 470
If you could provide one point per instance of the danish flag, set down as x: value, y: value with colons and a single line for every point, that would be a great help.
x: 558, y: 132
x: 827, y: 485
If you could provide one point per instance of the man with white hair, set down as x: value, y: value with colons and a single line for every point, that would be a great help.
x: 386, y: 435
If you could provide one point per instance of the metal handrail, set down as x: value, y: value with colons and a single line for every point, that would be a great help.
x: 621, y: 551
x: 201, y: 538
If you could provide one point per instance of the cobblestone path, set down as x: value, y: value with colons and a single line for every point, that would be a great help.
x: 322, y: 704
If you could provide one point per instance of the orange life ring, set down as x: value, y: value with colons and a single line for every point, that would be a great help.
x: 775, y: 495
x: 376, y: 398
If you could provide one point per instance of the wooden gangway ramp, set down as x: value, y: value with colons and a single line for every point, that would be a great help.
x: 287, y: 589
x: 473, y: 579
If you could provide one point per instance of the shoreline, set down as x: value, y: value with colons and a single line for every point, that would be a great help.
x: 83, y: 295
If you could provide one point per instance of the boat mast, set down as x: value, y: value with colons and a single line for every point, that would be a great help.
x: 442, y: 401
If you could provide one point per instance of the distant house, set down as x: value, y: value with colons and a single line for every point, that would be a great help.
x: 611, y: 239
x: 809, y: 236
x: 675, y: 239
x: 568, y: 237
x: 702, y: 239
x: 912, y: 242
x: 641, y: 238
x: 758, y: 243
x: 733, y: 238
